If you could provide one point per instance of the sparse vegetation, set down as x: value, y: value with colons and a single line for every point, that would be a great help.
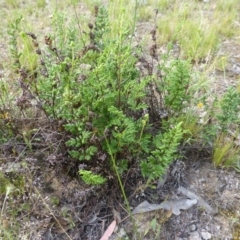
x: 120, y: 106
x: 225, y: 152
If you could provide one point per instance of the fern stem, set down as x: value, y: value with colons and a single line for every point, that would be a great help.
x: 113, y: 159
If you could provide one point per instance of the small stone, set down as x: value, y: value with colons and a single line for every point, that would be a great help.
x: 205, y: 235
x: 235, y: 69
x: 194, y: 236
x: 193, y: 227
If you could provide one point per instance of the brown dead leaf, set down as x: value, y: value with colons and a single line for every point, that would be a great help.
x: 116, y: 216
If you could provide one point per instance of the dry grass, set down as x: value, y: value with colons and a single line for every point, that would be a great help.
x: 225, y: 152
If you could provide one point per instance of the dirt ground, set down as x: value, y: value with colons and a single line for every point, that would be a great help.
x: 57, y: 205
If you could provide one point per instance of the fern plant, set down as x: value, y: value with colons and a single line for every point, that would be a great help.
x: 90, y: 178
x: 164, y: 151
x: 229, y: 109
x: 175, y: 86
x: 94, y: 87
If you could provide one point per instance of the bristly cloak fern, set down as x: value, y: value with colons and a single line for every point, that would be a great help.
x: 164, y: 153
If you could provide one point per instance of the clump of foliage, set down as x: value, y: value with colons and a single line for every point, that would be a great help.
x: 175, y: 85
x: 90, y: 178
x: 165, y: 150
x: 229, y: 105
x: 225, y: 132
x: 105, y: 103
x: 95, y: 88
x: 115, y: 114
x: 225, y: 152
